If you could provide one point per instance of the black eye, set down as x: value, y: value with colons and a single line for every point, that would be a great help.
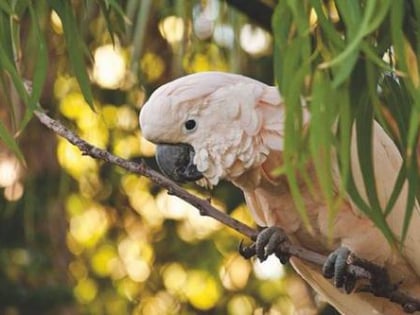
x: 190, y: 124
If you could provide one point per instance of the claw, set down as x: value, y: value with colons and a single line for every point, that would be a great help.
x: 380, y: 283
x: 268, y: 242
x: 246, y: 251
x: 349, y: 283
x: 336, y: 267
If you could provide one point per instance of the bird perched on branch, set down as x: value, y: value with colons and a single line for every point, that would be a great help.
x: 211, y: 126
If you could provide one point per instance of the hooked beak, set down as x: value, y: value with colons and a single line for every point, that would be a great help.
x: 176, y: 162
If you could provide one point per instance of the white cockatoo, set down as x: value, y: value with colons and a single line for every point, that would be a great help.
x: 212, y: 125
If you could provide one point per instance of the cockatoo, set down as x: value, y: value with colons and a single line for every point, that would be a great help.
x: 212, y: 125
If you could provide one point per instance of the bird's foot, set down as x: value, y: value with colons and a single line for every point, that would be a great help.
x: 336, y: 268
x: 380, y: 283
x: 270, y: 240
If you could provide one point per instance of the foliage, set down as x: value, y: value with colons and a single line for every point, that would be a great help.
x: 339, y: 54
x: 80, y: 237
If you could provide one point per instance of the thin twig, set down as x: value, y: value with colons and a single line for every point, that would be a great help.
x: 409, y: 304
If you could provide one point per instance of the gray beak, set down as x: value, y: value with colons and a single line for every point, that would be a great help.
x: 176, y: 162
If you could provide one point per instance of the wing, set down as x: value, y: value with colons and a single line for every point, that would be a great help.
x: 348, y: 304
x: 387, y: 162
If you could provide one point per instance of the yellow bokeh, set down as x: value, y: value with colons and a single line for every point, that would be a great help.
x: 65, y: 85
x: 102, y: 258
x: 85, y: 290
x: 115, y: 304
x: 241, y: 304
x: 72, y: 160
x: 93, y: 127
x: 174, y: 278
x: 128, y: 288
x: 197, y: 227
x: 152, y: 66
x: 172, y: 28
x: 127, y: 147
x: 73, y: 104
x: 137, y: 256
x: 141, y: 200
x: 90, y: 185
x: 210, y: 59
x: 161, y: 303
x: 202, y: 289
x: 109, y: 115
x: 132, y: 183
x: 127, y: 118
x: 90, y: 226
x: 76, y: 204
x: 78, y: 269
x: 235, y: 272
x: 74, y: 246
x: 97, y: 134
x: 193, y: 226
x: 117, y: 269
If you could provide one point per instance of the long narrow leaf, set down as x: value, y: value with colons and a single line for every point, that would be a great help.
x: 373, y: 15
x: 6, y: 8
x: 9, y: 66
x: 10, y: 142
x: 40, y: 70
x: 75, y: 47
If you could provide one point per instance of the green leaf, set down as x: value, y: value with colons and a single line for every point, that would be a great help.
x: 75, y: 47
x: 10, y: 143
x: 292, y: 58
x: 5, y: 35
x: 117, y: 8
x: 378, y: 220
x: 374, y: 14
x: 323, y: 114
x: 40, y: 70
x: 140, y: 30
x: 6, y: 8
x: 331, y: 34
x: 9, y: 66
x: 412, y: 171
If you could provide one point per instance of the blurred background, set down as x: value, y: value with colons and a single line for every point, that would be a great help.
x: 78, y: 236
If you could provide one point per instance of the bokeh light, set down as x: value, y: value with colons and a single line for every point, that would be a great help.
x: 88, y: 227
x: 86, y: 290
x: 201, y: 289
x: 56, y: 24
x: 117, y: 242
x: 9, y: 171
x: 270, y: 269
x: 241, y: 304
x: 224, y: 35
x: 14, y: 192
x: 152, y: 66
x: 254, y: 40
x: 109, y: 68
x: 137, y: 257
x: 172, y: 28
x: 235, y: 272
x: 174, y: 278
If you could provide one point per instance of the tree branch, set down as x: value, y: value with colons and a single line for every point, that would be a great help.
x: 357, y: 268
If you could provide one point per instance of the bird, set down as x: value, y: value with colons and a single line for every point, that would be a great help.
x: 213, y: 126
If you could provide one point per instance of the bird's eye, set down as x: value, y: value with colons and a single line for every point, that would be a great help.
x: 190, y: 125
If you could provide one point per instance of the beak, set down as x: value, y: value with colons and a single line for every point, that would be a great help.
x: 176, y: 162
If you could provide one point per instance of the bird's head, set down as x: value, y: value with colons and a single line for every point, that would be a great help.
x: 197, y: 121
